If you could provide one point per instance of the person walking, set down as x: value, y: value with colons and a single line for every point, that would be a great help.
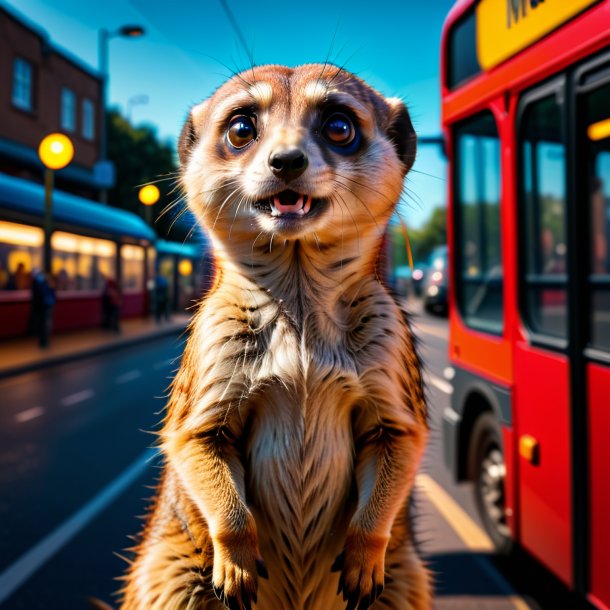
x: 43, y: 304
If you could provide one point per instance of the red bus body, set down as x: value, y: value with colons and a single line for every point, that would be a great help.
x: 540, y: 493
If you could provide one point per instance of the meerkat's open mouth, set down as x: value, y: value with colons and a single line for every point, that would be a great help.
x: 289, y: 205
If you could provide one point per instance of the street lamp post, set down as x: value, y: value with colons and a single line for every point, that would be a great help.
x: 55, y: 151
x: 126, y: 31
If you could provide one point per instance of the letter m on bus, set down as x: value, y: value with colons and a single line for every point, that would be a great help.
x: 515, y: 10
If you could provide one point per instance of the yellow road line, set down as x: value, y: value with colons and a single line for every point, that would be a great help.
x: 466, y: 529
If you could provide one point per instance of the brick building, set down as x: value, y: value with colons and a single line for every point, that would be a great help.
x: 46, y: 90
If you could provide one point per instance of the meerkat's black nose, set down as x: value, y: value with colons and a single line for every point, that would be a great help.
x: 288, y: 164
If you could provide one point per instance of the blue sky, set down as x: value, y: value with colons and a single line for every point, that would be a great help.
x: 190, y: 47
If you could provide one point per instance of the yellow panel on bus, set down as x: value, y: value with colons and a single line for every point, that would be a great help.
x: 505, y: 27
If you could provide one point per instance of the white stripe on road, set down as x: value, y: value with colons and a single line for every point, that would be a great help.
x: 164, y: 363
x: 129, y: 376
x: 440, y: 384
x: 29, y: 414
x: 20, y: 571
x: 73, y: 399
x: 473, y: 537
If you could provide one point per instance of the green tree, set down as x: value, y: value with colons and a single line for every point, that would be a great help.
x: 140, y: 157
x: 432, y: 233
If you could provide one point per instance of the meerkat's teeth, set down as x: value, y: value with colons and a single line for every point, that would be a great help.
x: 294, y: 203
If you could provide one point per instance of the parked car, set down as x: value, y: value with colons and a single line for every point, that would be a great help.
x: 436, y: 282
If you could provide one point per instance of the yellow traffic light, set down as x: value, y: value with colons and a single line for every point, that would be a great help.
x: 56, y: 151
x: 149, y: 194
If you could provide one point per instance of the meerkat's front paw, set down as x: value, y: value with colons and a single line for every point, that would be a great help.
x: 361, y: 564
x: 237, y: 567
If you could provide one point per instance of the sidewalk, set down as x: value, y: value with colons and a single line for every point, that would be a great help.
x: 23, y: 354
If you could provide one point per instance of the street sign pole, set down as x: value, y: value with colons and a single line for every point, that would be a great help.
x: 48, y: 217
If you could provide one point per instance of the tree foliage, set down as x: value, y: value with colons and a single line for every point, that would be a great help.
x: 140, y: 157
x: 424, y: 239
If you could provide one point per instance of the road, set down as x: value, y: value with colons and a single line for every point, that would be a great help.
x: 76, y: 469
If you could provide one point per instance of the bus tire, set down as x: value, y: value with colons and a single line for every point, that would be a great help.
x: 488, y: 472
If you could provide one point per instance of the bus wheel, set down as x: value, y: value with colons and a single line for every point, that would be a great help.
x: 489, y: 472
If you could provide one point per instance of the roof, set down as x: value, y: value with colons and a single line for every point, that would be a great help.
x: 188, y: 250
x: 24, y: 197
x: 16, y: 15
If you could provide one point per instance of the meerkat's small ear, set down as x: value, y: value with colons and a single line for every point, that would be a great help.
x: 188, y: 135
x: 401, y: 133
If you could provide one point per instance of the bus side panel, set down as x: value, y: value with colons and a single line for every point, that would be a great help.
x: 543, y: 413
x: 76, y: 311
x: 599, y: 456
x: 134, y: 304
x: 15, y: 316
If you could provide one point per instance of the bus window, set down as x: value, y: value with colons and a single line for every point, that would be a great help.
x: 81, y: 263
x: 20, y: 253
x: 132, y: 268
x: 597, y: 117
x: 462, y: 60
x: 477, y: 203
x: 543, y: 247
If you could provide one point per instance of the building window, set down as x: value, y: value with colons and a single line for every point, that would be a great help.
x: 478, y: 251
x: 81, y: 263
x: 68, y: 109
x: 20, y: 253
x: 132, y: 268
x: 543, y: 201
x: 88, y: 120
x: 22, y: 84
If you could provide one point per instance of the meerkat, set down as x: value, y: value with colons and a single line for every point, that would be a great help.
x: 297, y: 419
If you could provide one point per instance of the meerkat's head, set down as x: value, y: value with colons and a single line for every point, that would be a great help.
x: 286, y: 152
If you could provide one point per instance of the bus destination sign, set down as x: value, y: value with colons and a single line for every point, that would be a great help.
x: 505, y: 27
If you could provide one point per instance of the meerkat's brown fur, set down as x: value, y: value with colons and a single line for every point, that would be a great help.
x: 297, y: 419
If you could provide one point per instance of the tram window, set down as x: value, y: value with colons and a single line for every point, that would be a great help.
x: 81, y: 263
x: 132, y: 268
x: 597, y: 122
x: 478, y: 253
x: 20, y: 254
x: 543, y: 189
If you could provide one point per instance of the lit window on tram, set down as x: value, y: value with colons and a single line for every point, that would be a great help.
x: 543, y: 196
x: 21, y: 249
x: 132, y: 268
x: 81, y: 263
x: 478, y: 252
x: 597, y: 121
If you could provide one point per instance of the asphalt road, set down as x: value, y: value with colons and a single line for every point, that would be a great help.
x: 76, y: 469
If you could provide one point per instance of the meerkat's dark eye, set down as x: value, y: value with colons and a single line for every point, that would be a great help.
x: 339, y: 130
x: 241, y: 132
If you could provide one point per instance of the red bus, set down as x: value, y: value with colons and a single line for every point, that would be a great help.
x: 526, y: 118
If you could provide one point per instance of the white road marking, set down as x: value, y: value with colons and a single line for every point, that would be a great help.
x: 29, y: 414
x: 448, y: 373
x: 22, y: 569
x: 73, y: 399
x: 470, y: 533
x: 129, y: 376
x: 163, y: 364
x: 440, y: 384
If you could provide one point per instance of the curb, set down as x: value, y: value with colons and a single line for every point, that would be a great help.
x: 88, y: 352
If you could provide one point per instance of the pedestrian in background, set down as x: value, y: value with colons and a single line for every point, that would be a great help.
x: 161, y: 298
x: 111, y: 305
x: 43, y: 304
